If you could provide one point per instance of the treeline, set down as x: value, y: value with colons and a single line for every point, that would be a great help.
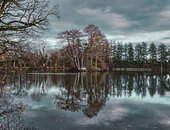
x: 140, y: 55
x: 87, y: 48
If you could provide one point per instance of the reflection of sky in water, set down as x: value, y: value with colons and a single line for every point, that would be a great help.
x: 118, y: 112
x: 108, y: 113
x: 149, y: 99
x: 115, y: 111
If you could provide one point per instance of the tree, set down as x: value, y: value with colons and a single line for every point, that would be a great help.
x: 113, y: 51
x: 162, y: 54
x: 169, y: 55
x: 130, y: 53
x: 3, y: 3
x: 152, y: 53
x: 106, y: 51
x: 138, y: 53
x: 96, y: 40
x: 119, y: 52
x: 144, y: 52
x: 21, y: 19
x: 125, y: 52
x: 73, y: 48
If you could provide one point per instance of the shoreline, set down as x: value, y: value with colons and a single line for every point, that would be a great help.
x: 98, y: 70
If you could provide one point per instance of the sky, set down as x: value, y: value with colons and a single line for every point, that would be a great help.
x: 119, y: 20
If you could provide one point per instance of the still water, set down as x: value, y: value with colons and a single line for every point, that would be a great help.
x: 85, y: 101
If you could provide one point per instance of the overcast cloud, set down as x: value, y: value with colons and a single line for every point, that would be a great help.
x: 123, y: 20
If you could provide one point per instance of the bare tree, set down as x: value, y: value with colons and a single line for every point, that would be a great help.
x: 96, y: 41
x: 20, y: 19
x: 73, y: 38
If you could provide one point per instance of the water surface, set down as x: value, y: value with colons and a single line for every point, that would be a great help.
x: 74, y: 101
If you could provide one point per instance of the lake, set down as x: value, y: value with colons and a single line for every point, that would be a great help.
x: 85, y: 101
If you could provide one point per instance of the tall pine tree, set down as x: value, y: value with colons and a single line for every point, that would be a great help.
x: 130, y: 53
x: 162, y: 52
x: 152, y: 53
x: 138, y: 53
x: 119, y: 52
x: 125, y: 52
x: 144, y: 52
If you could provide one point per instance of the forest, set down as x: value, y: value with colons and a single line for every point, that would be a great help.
x: 88, y: 49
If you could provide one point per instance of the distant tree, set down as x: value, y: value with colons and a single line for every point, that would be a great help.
x: 22, y: 55
x: 119, y: 52
x: 144, y: 52
x: 73, y: 48
x: 105, y: 51
x: 125, y: 52
x: 43, y: 56
x: 55, y: 59
x: 138, y: 53
x: 130, y: 53
x: 162, y: 54
x: 113, y: 51
x: 169, y: 54
x: 152, y: 53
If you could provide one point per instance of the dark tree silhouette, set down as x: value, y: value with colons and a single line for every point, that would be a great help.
x: 22, y: 19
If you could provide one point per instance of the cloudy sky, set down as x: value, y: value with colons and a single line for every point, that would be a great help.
x: 122, y: 20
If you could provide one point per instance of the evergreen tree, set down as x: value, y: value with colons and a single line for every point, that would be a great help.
x: 152, y: 53
x: 169, y: 55
x: 138, y: 52
x: 130, y: 53
x: 143, y: 52
x: 119, y: 52
x: 162, y: 52
x: 113, y: 51
x: 125, y: 52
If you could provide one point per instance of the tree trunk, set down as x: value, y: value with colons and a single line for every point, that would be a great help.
x: 96, y: 60
x: 14, y: 63
x: 91, y: 62
x: 161, y: 67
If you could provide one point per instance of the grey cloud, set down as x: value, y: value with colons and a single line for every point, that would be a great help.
x: 166, y: 38
x: 142, y: 13
x: 114, y: 17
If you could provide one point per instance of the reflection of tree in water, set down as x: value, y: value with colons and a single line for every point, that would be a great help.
x: 11, y: 105
x: 141, y: 84
x: 163, y: 86
x: 152, y: 85
x: 71, y: 96
x: 12, y: 118
x: 89, y: 91
x: 97, y: 93
x: 55, y: 79
x: 41, y: 84
x: 13, y: 93
x: 39, y: 88
x: 86, y: 92
x: 123, y: 84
